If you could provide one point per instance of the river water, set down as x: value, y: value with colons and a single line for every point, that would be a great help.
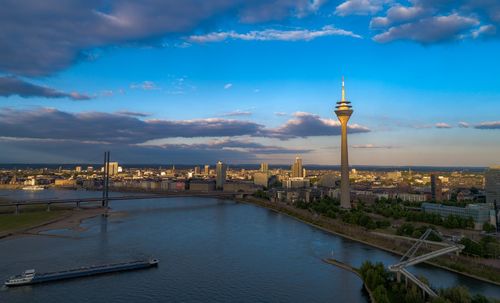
x: 210, y: 250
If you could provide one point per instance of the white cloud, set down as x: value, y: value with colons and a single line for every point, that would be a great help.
x: 281, y: 114
x: 399, y: 14
x: 485, y: 30
x: 273, y: 35
x: 442, y: 125
x: 463, y: 124
x: 430, y: 30
x: 228, y: 85
x: 360, y: 7
x: 145, y: 85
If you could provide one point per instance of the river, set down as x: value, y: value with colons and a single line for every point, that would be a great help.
x: 210, y: 250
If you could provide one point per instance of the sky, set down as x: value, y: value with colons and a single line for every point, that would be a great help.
x: 194, y: 82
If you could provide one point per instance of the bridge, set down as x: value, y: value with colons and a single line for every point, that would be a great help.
x: 409, y: 259
x: 78, y: 201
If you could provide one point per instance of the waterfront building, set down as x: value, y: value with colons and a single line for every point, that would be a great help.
x: 480, y: 213
x: 241, y: 186
x: 343, y: 110
x: 65, y: 182
x: 297, y: 183
x: 436, y: 189
x: 221, y: 171
x: 264, y: 167
x: 261, y: 178
x: 201, y: 185
x: 297, y: 171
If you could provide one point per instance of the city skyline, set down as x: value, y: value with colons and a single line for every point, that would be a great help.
x: 232, y: 84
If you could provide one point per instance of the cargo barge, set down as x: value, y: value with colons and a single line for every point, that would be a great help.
x: 31, y: 277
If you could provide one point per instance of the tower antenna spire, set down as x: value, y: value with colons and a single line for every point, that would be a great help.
x: 343, y: 89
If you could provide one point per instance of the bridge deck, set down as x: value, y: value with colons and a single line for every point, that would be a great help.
x: 125, y: 197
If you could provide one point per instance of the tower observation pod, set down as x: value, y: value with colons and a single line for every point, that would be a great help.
x: 343, y: 110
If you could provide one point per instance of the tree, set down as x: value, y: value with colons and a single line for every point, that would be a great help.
x: 458, y: 294
x: 489, y: 228
x: 380, y: 294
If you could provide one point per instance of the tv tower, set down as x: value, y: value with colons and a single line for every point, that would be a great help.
x: 343, y: 110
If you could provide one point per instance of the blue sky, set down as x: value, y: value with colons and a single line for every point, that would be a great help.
x: 251, y: 81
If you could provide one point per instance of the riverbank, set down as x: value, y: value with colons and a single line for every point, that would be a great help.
x: 396, y: 246
x: 38, y: 221
x: 353, y: 270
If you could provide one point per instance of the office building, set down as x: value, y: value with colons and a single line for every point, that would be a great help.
x: 343, y: 110
x: 196, y: 170
x: 264, y: 167
x: 207, y: 170
x: 221, y: 170
x: 480, y: 213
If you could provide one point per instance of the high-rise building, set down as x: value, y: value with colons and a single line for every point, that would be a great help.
x: 221, y: 170
x: 207, y: 170
x: 264, y: 167
x: 343, y: 110
x: 436, y: 189
x: 492, y: 186
x: 297, y: 171
x: 196, y: 170
x: 78, y: 169
x: 113, y: 168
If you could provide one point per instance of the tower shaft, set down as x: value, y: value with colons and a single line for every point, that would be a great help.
x: 345, y: 192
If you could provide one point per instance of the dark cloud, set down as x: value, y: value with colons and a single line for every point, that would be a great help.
x: 69, y: 151
x: 307, y: 124
x: 372, y: 146
x: 239, y: 146
x: 10, y: 86
x: 47, y: 123
x: 94, y: 126
x: 488, y: 125
x: 237, y: 113
x: 434, y: 21
x: 50, y: 135
x: 133, y: 114
x: 39, y: 38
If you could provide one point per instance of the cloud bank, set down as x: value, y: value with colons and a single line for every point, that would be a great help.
x: 10, y: 86
x: 40, y: 38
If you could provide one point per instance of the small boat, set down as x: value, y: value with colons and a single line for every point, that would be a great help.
x: 31, y: 277
x: 33, y: 187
